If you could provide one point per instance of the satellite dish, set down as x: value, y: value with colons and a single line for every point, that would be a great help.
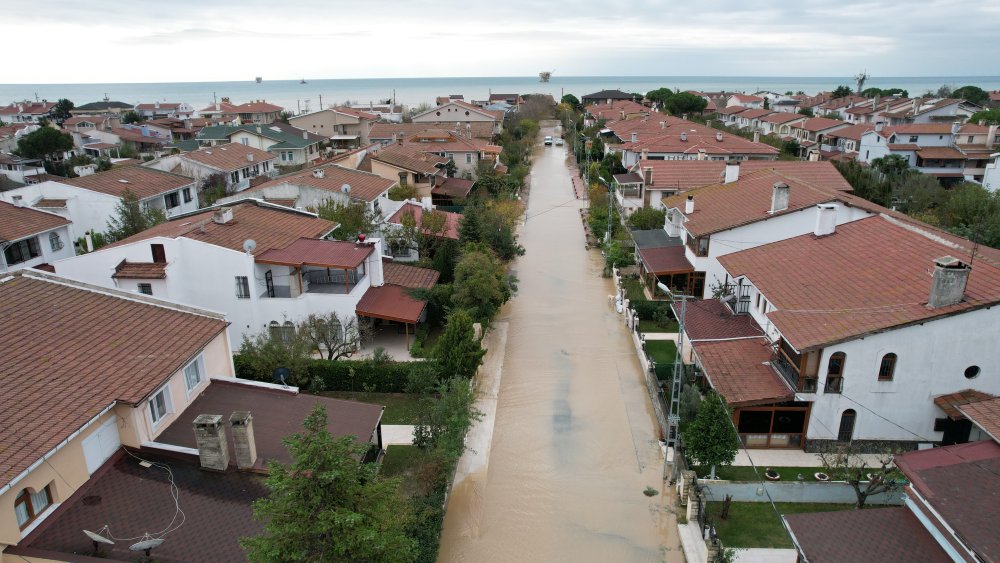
x: 346, y: 188
x: 98, y: 538
x: 249, y: 245
x: 281, y: 375
x: 145, y: 545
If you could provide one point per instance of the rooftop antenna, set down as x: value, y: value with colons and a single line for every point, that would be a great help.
x: 146, y: 545
x: 249, y: 246
x: 98, y: 539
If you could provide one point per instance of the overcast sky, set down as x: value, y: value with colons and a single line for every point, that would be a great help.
x: 69, y: 41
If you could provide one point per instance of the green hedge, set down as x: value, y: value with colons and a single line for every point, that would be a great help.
x: 647, y: 310
x: 350, y: 375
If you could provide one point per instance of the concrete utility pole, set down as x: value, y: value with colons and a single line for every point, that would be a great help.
x: 674, y: 418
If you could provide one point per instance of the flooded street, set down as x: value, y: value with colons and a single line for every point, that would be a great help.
x: 574, y: 441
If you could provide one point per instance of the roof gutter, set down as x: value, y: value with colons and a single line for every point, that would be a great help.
x: 56, y: 449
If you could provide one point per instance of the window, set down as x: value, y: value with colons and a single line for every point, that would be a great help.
x: 242, y: 287
x: 940, y: 424
x: 187, y: 195
x: 887, y: 368
x: 846, y: 431
x: 192, y: 373
x: 284, y: 332
x: 55, y: 242
x: 835, y: 372
x: 145, y: 288
x: 22, y: 251
x: 913, y: 138
x: 28, y: 505
x: 468, y: 158
x: 269, y: 283
x: 159, y: 255
x: 245, y: 141
x: 972, y: 372
x: 971, y: 138
x: 159, y: 405
x: 172, y: 200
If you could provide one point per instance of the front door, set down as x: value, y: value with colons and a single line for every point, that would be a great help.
x: 846, y: 432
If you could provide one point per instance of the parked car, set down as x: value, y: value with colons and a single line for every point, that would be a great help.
x: 548, y: 140
x: 559, y: 142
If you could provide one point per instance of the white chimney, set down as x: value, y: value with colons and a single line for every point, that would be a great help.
x: 305, y: 135
x: 814, y: 156
x: 756, y: 136
x: 879, y: 126
x: 249, y: 157
x: 210, y: 438
x: 90, y: 241
x: 635, y: 136
x: 732, y: 172
x: 663, y: 125
x: 222, y: 215
x: 948, y: 282
x: 18, y: 200
x: 218, y: 106
x: 425, y: 203
x: 156, y: 104
x: 621, y: 115
x: 991, y: 136
x: 826, y: 219
x: 779, y: 197
x: 718, y: 136
x: 645, y: 154
x: 689, y: 205
x: 684, y: 136
x: 955, y: 126
x: 609, y: 101
x: 375, y: 263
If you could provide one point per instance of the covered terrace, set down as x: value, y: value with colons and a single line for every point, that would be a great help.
x: 314, y: 266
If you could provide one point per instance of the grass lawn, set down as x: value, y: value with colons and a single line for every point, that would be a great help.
x: 653, y: 326
x: 403, y: 462
x: 745, y: 473
x: 662, y: 351
x: 754, y: 524
x: 400, y: 408
x: 633, y: 289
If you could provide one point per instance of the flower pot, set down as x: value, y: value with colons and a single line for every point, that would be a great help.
x: 821, y: 476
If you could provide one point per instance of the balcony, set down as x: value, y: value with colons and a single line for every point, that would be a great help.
x: 331, y: 281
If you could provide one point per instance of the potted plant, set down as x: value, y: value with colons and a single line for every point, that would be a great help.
x: 771, y: 475
x: 820, y: 476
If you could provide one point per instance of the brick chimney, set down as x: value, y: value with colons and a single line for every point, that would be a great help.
x: 647, y: 175
x: 779, y: 197
x: 210, y: 437
x: 243, y: 439
x: 948, y: 282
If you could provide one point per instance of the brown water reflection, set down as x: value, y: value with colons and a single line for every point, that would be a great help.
x: 574, y: 442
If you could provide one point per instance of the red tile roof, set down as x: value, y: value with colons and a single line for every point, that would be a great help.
x: 454, y: 188
x: 731, y: 110
x: 711, y: 319
x: 390, y: 302
x: 951, y: 402
x: 365, y: 186
x: 452, y: 220
x: 683, y: 175
x: 721, y: 207
x: 783, y: 117
x: 395, y: 131
x: 229, y: 157
x: 740, y: 371
x: 845, y: 286
x: 754, y: 113
x: 257, y: 107
x: 410, y: 160
x: 20, y: 222
x: 89, y: 348
x: 140, y: 270
x: 940, y: 153
x: 402, y: 275
x: 961, y: 483
x: 316, y: 252
x: 665, y: 260
x: 49, y: 203
x: 355, y: 113
x: 853, y: 132
x: 874, y: 534
x: 269, y: 226
x: 985, y: 414
x: 814, y: 124
x: 142, y: 181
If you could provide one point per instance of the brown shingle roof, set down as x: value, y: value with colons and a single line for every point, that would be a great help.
x: 390, y: 302
x: 845, y: 286
x: 408, y: 276
x: 451, y: 219
x: 940, y: 153
x: 316, y: 252
x: 887, y: 535
x: 88, y: 349
x: 722, y: 207
x: 665, y: 260
x: 454, y: 188
x: 985, y: 414
x: 269, y: 226
x: 380, y: 131
x: 951, y: 402
x: 420, y: 163
x: 229, y: 157
x: 740, y: 371
x: 709, y: 319
x: 782, y: 117
x: 20, y: 222
x: 51, y: 203
x: 364, y: 186
x: 140, y: 180
x: 814, y: 124
x: 140, y: 270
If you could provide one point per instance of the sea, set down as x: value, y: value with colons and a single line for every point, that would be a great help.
x: 323, y: 92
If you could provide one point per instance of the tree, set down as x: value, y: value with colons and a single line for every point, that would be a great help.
x: 842, y: 91
x: 845, y: 463
x: 884, y: 93
x: 61, y: 112
x: 450, y: 169
x: 132, y: 116
x: 892, y: 165
x: 328, y: 506
x: 284, y: 116
x: 973, y: 94
x: 133, y: 217
x: 213, y: 187
x: 944, y: 91
x: 481, y: 284
x: 659, y: 96
x: 458, y: 351
x: 353, y: 218
x: 685, y: 102
x: 44, y: 143
x: 402, y: 191
x: 808, y: 112
x: 986, y: 117
x: 280, y: 347
x: 711, y: 439
x: 647, y: 218
x: 329, y: 334
x: 571, y: 100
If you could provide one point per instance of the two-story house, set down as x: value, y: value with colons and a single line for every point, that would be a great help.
x: 348, y: 128
x: 461, y: 114
x: 238, y: 162
x: 324, y: 184
x: 26, y: 112
x: 32, y: 237
x: 90, y: 201
x: 292, y: 146
x: 408, y: 165
x: 181, y: 110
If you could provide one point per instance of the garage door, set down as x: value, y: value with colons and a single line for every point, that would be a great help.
x: 99, y: 446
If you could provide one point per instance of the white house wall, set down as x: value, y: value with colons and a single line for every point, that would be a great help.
x: 86, y: 209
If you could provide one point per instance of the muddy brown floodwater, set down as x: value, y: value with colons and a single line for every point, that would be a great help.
x: 574, y: 442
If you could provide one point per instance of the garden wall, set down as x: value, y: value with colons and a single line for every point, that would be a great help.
x: 838, y: 492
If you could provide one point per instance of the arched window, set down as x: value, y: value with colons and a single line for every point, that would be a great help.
x: 28, y: 505
x: 288, y: 331
x: 835, y: 373
x: 846, y: 431
x: 274, y: 330
x: 887, y: 368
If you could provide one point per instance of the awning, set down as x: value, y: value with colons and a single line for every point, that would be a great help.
x: 940, y: 153
x: 391, y: 303
x: 344, y: 137
x: 740, y: 371
x: 665, y: 260
x: 950, y: 403
x: 317, y: 252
